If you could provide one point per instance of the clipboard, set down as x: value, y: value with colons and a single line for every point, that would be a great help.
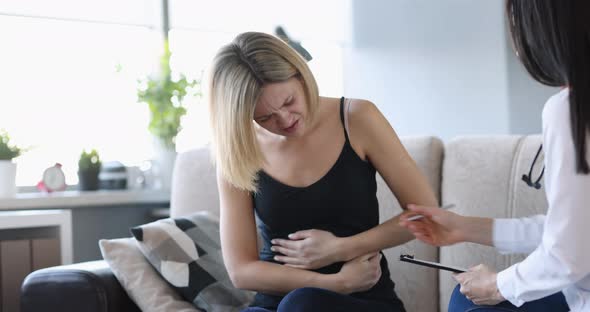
x: 436, y: 265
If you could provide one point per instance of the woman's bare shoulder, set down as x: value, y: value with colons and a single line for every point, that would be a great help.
x: 362, y: 113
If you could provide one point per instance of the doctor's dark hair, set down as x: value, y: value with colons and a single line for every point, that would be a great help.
x: 552, y: 40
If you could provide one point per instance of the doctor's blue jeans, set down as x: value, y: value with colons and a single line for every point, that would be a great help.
x: 553, y: 303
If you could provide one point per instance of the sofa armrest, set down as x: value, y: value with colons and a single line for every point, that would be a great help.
x: 87, y: 286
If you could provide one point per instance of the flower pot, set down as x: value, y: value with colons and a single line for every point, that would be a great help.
x: 164, y: 158
x: 88, y: 180
x: 7, y: 178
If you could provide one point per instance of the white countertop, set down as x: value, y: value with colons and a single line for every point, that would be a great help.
x: 76, y: 199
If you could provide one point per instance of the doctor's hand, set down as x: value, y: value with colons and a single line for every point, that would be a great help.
x: 309, y: 249
x: 439, y: 227
x: 479, y: 285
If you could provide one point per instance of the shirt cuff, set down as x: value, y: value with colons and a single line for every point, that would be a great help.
x: 503, y: 235
x: 505, y: 281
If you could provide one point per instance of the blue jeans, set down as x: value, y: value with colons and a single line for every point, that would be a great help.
x: 310, y: 299
x: 553, y: 303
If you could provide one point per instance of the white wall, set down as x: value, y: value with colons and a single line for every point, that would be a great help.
x: 526, y: 97
x: 441, y: 68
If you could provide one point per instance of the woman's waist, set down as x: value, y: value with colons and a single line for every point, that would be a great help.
x: 383, y: 290
x: 338, y: 229
x: 268, y: 256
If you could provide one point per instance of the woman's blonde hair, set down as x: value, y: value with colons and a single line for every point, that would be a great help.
x: 238, y: 74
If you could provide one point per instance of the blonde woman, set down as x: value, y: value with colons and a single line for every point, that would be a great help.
x: 305, y: 165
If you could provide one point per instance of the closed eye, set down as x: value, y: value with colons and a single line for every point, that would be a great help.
x: 263, y: 118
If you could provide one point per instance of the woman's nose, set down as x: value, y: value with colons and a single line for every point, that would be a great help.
x: 282, y: 116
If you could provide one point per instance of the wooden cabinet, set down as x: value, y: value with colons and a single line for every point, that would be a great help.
x: 30, y: 240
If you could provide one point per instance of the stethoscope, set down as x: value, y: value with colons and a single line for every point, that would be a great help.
x: 527, y: 178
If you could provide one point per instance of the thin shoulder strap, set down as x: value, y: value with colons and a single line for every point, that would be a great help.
x: 342, y: 118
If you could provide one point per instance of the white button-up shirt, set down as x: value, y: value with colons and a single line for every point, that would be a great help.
x: 560, y: 242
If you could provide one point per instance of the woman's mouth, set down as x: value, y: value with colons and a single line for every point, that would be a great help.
x: 292, y: 127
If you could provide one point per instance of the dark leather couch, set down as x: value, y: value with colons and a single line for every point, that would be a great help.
x: 87, y: 286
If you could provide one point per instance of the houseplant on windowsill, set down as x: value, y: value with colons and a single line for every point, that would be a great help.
x: 7, y: 166
x: 164, y: 95
x: 88, y: 169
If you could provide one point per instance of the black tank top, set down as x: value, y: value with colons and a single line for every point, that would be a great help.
x: 343, y: 202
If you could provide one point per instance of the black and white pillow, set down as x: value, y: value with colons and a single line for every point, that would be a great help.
x: 187, y: 253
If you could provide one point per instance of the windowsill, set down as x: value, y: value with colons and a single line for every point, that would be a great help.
x: 76, y: 199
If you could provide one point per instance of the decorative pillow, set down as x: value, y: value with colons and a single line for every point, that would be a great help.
x: 187, y: 253
x: 139, y: 279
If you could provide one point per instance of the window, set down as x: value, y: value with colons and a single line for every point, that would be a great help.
x: 69, y: 78
x: 198, y: 28
x: 64, y: 92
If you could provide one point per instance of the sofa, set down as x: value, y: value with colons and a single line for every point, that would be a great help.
x: 480, y: 174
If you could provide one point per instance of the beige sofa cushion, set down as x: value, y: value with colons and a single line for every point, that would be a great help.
x: 139, y: 279
x: 194, y: 185
x: 482, y: 176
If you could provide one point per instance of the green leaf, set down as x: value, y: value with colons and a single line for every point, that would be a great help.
x: 164, y: 97
x: 8, y: 151
x: 89, y: 161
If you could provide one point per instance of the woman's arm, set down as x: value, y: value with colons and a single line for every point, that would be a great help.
x: 246, y: 271
x: 374, y: 139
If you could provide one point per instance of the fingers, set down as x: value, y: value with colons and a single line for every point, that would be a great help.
x: 376, y: 258
x: 284, y: 251
x: 375, y: 261
x: 425, y: 238
x: 417, y: 227
x: 368, y: 256
x: 291, y: 261
x: 432, y: 213
x: 423, y: 210
x: 300, y: 235
x: 478, y: 267
x: 403, y: 220
x: 466, y: 292
x: 289, y: 244
x: 302, y: 267
x: 377, y: 275
x: 428, y: 212
x: 420, y: 231
x: 460, y: 278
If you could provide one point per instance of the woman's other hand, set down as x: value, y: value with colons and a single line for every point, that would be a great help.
x: 479, y: 285
x: 361, y: 273
x: 439, y: 227
x: 309, y: 249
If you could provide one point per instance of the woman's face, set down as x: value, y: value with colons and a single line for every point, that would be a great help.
x: 282, y: 107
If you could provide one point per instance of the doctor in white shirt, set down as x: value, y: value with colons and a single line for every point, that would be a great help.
x: 552, y: 40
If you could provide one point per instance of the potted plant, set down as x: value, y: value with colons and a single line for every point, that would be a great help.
x: 7, y: 167
x: 164, y: 95
x: 88, y: 169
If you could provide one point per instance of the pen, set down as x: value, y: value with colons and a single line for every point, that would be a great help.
x: 418, y: 217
